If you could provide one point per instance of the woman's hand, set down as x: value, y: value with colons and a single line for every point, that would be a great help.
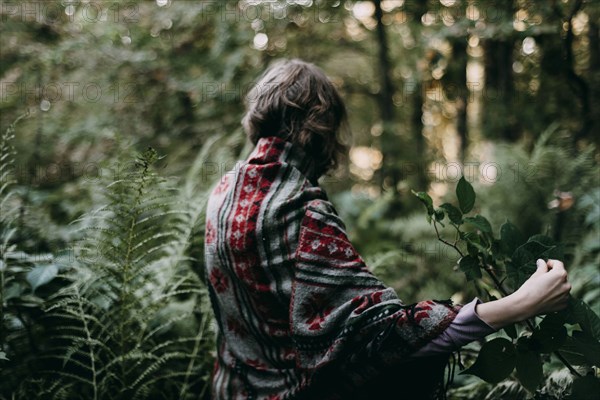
x: 546, y: 290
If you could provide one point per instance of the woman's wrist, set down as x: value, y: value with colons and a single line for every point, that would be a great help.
x: 505, y: 311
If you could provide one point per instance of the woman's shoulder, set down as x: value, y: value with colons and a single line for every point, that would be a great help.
x: 321, y: 206
x: 323, y: 212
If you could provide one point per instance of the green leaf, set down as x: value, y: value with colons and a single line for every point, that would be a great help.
x: 439, y: 215
x: 529, y: 368
x: 465, y: 195
x: 495, y: 248
x: 543, y: 239
x: 585, y: 388
x: 572, y: 353
x: 472, y: 249
x: 495, y: 361
x: 511, y: 331
x: 550, y: 335
x: 426, y: 200
x: 522, y: 263
x: 480, y: 223
x: 454, y: 213
x: 41, y: 275
x: 578, y: 312
x: 588, y: 346
x: 581, y: 349
x: 510, y: 238
x: 470, y: 266
x: 3, y: 356
x: 473, y: 239
x: 555, y: 250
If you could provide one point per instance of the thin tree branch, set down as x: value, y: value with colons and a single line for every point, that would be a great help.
x: 445, y: 241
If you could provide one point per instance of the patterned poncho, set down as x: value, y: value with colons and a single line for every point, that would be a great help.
x: 299, y: 313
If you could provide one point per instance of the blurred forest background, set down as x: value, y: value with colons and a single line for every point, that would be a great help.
x: 130, y: 111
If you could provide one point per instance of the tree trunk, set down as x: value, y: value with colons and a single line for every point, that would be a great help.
x: 578, y: 84
x: 457, y: 76
x: 551, y: 97
x: 418, y: 9
x: 500, y: 120
x: 387, y: 89
x: 386, y: 103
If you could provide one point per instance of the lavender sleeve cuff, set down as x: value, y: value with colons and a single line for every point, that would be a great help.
x: 466, y: 327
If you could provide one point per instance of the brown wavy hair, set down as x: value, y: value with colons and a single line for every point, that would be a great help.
x: 296, y: 101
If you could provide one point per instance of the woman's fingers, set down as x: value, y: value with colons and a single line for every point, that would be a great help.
x: 558, y: 267
x: 542, y: 267
x: 562, y: 288
x: 555, y: 264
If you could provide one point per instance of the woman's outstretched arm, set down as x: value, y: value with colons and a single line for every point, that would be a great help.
x: 545, y: 291
x: 330, y: 273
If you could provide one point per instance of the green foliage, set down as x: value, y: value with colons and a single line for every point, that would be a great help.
x: 127, y: 274
x: 495, y: 362
x: 173, y: 76
x: 465, y: 195
x: 470, y: 266
x: 508, y: 257
x: 41, y: 275
x: 128, y: 317
x: 528, y: 366
x: 585, y: 388
x: 21, y: 273
x: 586, y: 258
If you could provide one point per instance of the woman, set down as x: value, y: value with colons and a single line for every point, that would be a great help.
x: 299, y: 313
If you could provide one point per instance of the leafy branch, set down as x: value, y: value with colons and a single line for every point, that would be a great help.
x: 511, y: 259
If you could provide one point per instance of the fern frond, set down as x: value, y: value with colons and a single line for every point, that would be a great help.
x: 118, y: 335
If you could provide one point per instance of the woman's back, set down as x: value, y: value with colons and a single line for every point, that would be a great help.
x: 253, y: 220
